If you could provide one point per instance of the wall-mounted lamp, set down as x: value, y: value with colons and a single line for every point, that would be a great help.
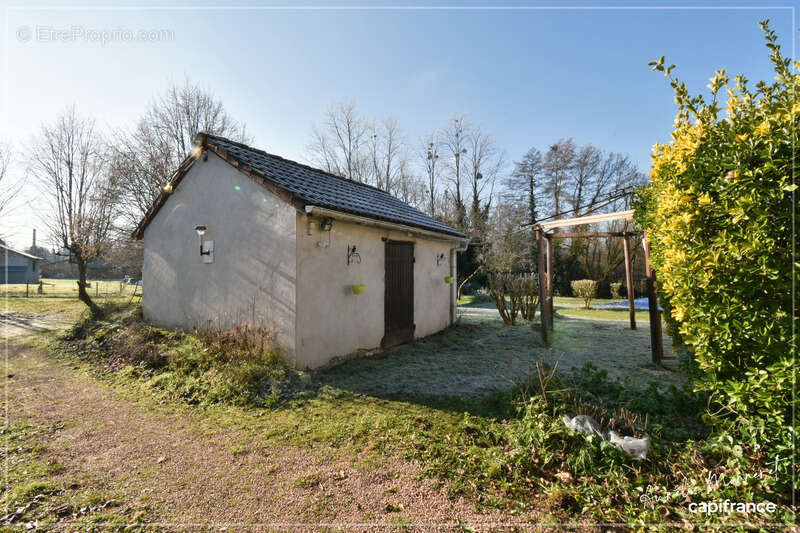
x: 326, y: 224
x: 207, y: 251
x: 352, y: 255
x: 439, y: 259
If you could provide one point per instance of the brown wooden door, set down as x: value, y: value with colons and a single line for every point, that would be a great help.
x: 399, y: 301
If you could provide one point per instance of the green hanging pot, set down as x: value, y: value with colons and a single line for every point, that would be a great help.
x: 448, y: 280
x: 359, y: 289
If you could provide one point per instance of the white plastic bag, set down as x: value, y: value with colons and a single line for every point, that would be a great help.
x: 633, y: 447
x: 584, y: 423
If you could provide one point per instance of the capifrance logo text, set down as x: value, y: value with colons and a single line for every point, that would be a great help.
x: 727, y: 506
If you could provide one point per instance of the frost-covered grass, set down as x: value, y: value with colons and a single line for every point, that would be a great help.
x: 481, y: 355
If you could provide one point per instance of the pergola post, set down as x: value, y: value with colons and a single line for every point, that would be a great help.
x: 544, y: 314
x: 549, y: 247
x: 629, y: 279
x: 656, y: 340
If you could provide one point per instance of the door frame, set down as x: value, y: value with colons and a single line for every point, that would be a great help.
x: 393, y: 338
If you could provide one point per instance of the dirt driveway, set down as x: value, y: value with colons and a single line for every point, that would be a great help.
x: 162, y: 465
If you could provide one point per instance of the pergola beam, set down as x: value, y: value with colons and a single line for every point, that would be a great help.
x: 590, y: 219
x: 593, y: 234
x: 544, y: 306
x: 656, y: 339
x: 545, y: 266
x: 629, y: 280
x: 549, y: 253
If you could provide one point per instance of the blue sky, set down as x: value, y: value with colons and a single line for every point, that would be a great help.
x: 527, y: 76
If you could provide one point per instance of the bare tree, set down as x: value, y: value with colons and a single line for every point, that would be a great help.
x: 338, y: 146
x: 558, y: 163
x: 484, y: 163
x: 8, y: 190
x: 455, y: 138
x: 523, y: 190
x: 409, y: 187
x: 429, y: 155
x: 386, y: 153
x: 146, y: 157
x: 70, y: 164
x: 585, y: 165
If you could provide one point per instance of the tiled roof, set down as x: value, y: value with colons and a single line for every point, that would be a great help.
x: 321, y: 189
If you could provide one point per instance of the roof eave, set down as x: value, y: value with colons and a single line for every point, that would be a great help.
x: 372, y: 221
x: 23, y: 254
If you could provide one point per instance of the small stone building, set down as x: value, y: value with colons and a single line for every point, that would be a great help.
x: 334, y: 267
x: 18, y: 267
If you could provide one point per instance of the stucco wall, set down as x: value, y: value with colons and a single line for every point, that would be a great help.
x: 253, y: 273
x: 334, y: 322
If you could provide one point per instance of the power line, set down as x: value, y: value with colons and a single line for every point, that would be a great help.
x: 614, y: 195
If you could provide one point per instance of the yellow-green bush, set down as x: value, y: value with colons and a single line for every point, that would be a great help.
x: 719, y: 217
x: 586, y: 289
x: 615, y: 290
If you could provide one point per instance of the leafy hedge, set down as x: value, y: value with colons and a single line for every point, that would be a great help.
x: 719, y: 217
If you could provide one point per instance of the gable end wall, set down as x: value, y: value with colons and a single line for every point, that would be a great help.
x: 253, y: 276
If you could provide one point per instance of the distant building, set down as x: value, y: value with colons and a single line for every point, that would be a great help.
x: 18, y: 267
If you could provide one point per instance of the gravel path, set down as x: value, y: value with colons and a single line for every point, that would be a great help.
x: 179, y: 474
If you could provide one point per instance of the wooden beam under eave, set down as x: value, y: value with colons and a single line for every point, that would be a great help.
x: 591, y: 219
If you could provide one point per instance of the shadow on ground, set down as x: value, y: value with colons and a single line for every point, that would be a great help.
x: 16, y: 324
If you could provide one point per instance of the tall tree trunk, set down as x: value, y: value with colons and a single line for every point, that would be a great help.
x: 83, y: 296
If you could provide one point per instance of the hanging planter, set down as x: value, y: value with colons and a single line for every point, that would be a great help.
x: 358, y: 289
x: 448, y: 280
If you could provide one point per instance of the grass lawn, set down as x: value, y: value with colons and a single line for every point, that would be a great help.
x: 59, y: 298
x: 569, y: 306
x: 642, y: 317
x: 471, y: 406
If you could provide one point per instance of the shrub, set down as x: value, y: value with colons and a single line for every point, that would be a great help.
x: 525, y: 288
x: 514, y: 295
x: 240, y: 365
x: 498, y: 286
x: 586, y: 289
x: 615, y: 288
x: 719, y: 216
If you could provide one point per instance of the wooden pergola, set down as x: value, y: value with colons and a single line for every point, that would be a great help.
x: 544, y: 239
